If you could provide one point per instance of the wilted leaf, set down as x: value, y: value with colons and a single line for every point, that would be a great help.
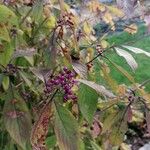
x: 128, y: 57
x: 87, y: 102
x: 96, y: 129
x: 98, y: 88
x: 129, y: 114
x: 136, y: 50
x: 66, y: 129
x: 148, y: 120
x: 17, y: 119
x: 40, y: 128
x: 23, y: 53
x: 41, y: 73
x: 80, y: 69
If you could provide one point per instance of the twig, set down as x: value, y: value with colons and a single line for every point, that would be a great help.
x: 144, y: 83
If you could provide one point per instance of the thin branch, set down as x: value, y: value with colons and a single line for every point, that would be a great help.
x: 134, y: 41
x: 144, y: 83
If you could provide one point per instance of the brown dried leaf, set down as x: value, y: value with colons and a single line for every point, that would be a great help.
x: 40, y: 128
x: 96, y: 129
x: 148, y: 120
x: 129, y: 114
x: 80, y: 69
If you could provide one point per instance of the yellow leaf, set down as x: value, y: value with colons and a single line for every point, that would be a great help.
x: 121, y: 90
x: 124, y: 146
x: 87, y: 28
x: 90, y: 52
x: 132, y: 29
x: 104, y: 44
x: 51, y: 22
x: 115, y: 11
x: 66, y: 7
x: 109, y: 20
x: 95, y: 6
x: 137, y: 116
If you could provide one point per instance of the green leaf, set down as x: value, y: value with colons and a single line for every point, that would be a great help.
x: 50, y: 52
x: 118, y: 126
x: 98, y: 88
x: 123, y: 71
x: 66, y: 129
x: 30, y: 60
x: 81, y: 145
x: 5, y: 82
x: 5, y: 57
x: 87, y: 102
x: 51, y: 141
x: 107, y: 77
x: 109, y: 121
x: 37, y: 11
x: 95, y: 146
x: 7, y: 16
x: 1, y: 79
x: 17, y: 119
x: 4, y: 35
x: 25, y: 78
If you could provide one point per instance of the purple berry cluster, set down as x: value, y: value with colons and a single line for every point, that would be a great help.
x: 64, y: 81
x: 10, y: 69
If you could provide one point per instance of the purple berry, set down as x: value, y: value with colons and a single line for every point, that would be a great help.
x: 65, y: 81
x: 74, y: 97
x: 65, y: 69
